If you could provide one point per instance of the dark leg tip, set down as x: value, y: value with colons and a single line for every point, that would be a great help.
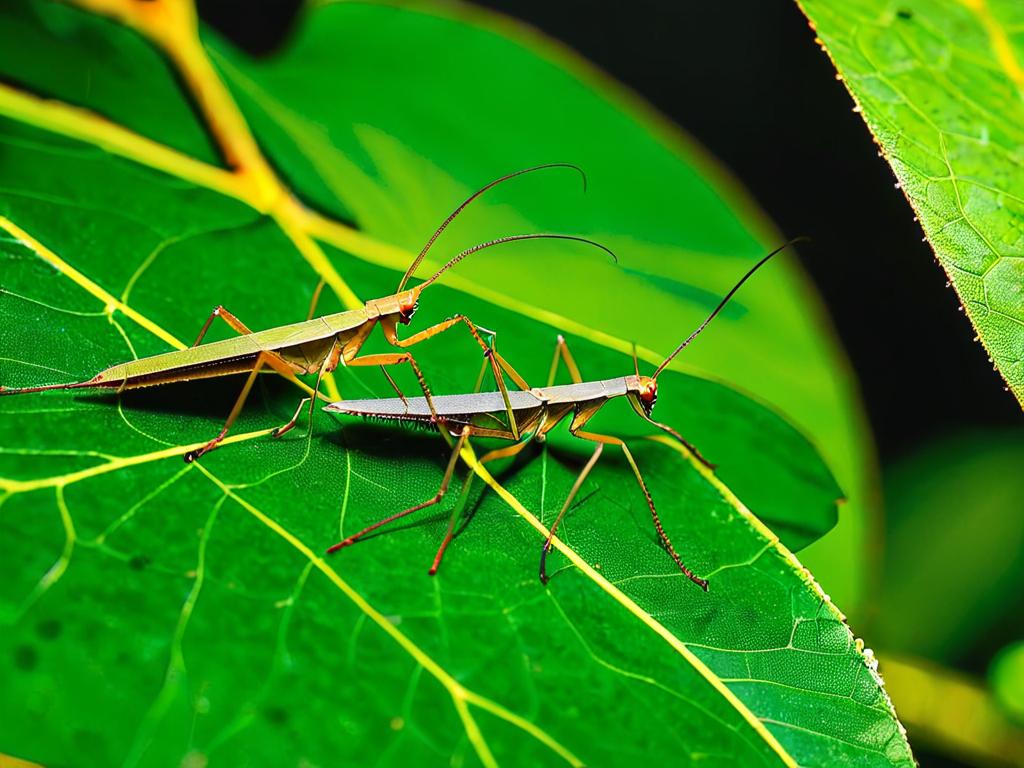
x: 702, y: 583
x: 544, y: 579
x: 432, y: 571
x: 276, y: 433
x: 190, y: 457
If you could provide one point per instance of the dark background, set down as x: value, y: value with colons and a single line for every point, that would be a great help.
x: 763, y: 98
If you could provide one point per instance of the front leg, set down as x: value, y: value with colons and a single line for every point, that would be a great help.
x: 562, y: 354
x: 395, y: 359
x: 497, y: 362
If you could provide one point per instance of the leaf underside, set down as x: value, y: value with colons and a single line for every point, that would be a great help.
x: 156, y: 612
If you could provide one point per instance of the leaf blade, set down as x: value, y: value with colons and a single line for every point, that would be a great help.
x: 939, y: 86
x: 176, y: 282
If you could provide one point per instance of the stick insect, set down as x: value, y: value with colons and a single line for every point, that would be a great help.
x: 316, y: 345
x: 534, y: 413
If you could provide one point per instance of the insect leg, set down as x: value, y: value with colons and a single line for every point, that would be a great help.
x: 511, y: 450
x: 262, y: 359
x: 609, y: 440
x: 395, y: 359
x: 394, y: 386
x: 449, y: 471
x: 328, y: 360
x: 450, y: 532
x: 562, y: 352
x: 243, y: 330
x: 227, y: 317
x: 316, y: 298
x: 504, y: 453
x: 497, y: 364
x: 565, y: 508
x: 500, y: 453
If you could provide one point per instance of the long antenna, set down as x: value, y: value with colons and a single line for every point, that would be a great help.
x: 47, y: 387
x: 723, y: 302
x: 444, y: 224
x: 509, y: 239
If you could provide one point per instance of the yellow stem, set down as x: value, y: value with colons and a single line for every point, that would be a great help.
x: 173, y: 26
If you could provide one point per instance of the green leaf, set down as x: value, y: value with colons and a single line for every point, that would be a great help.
x: 391, y: 139
x: 157, y: 612
x: 962, y: 495
x: 1007, y: 679
x: 940, y: 85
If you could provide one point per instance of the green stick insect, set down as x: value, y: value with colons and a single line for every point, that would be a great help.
x: 316, y: 345
x: 534, y: 413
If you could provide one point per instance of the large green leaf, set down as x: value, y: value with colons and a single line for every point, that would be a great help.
x: 156, y: 612
x: 940, y: 84
x: 391, y: 138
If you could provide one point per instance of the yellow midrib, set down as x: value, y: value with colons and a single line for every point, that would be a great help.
x: 460, y: 695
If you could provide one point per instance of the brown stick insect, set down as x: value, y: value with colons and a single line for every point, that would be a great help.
x: 532, y: 414
x: 316, y: 345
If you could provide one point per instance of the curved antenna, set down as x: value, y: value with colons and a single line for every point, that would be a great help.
x: 510, y: 239
x: 444, y: 224
x: 723, y: 302
x: 636, y: 362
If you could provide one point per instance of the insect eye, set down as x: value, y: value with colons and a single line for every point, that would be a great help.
x: 407, y: 311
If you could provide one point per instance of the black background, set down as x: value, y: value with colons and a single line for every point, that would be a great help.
x: 747, y: 80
